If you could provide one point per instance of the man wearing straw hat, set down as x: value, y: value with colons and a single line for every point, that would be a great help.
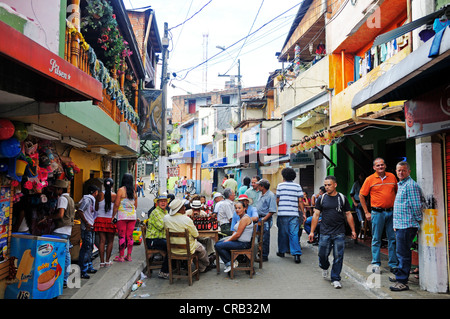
x: 156, y: 234
x: 177, y: 221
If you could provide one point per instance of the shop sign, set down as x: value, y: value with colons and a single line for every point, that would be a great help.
x: 302, y: 158
x: 54, y: 68
x: 129, y: 137
x: 429, y: 113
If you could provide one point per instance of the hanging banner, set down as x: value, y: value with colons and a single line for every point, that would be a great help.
x: 150, y: 105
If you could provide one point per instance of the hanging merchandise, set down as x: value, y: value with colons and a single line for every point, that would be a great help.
x: 297, y: 60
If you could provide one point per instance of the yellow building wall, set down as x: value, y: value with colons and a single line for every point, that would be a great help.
x: 87, y: 163
x: 341, y: 103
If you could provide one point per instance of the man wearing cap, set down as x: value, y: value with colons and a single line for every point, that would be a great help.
x: 266, y: 206
x: 251, y: 211
x: 177, y: 221
x: 63, y: 219
x: 155, y: 235
x: 217, y: 198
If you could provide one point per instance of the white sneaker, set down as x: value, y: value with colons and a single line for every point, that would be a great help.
x: 227, y: 268
x: 324, y: 273
x: 376, y: 269
x: 336, y: 284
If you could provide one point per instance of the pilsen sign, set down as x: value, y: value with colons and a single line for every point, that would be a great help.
x: 54, y: 67
x: 22, y: 50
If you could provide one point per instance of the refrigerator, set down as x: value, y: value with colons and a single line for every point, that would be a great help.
x: 39, y: 265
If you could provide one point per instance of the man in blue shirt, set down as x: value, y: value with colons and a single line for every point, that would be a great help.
x: 406, y: 218
x: 266, y: 206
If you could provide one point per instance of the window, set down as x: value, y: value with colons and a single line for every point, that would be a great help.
x: 205, y: 125
x: 225, y: 99
x: 191, y: 107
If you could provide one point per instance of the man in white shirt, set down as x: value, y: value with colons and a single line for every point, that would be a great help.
x: 63, y: 219
x: 225, y: 211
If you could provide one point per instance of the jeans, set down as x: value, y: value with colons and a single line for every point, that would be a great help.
x: 288, y: 238
x: 141, y: 191
x: 68, y: 260
x: 266, y: 237
x: 160, y: 244
x: 223, y: 249
x: 85, y: 256
x: 337, y: 243
x: 405, y: 239
x: 383, y: 220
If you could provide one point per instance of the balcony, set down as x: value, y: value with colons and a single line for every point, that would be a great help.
x: 80, y: 54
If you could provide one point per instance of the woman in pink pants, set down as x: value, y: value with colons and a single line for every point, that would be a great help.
x: 125, y: 208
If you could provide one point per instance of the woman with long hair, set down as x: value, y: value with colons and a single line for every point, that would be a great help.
x: 103, y: 225
x: 125, y: 209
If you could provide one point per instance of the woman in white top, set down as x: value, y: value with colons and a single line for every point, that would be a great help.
x: 125, y: 209
x: 241, y: 238
x: 103, y: 226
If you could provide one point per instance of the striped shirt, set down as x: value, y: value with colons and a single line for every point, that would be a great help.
x: 288, y: 194
x: 408, y: 204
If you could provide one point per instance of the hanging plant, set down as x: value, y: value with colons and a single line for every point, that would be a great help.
x: 99, y: 18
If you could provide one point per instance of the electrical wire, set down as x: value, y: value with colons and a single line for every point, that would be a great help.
x: 191, y: 16
x: 235, y: 43
x: 243, y: 44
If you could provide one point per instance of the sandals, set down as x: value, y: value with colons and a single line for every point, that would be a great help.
x: 102, y: 265
x: 119, y: 259
x: 128, y: 258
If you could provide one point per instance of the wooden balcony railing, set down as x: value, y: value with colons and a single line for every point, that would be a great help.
x: 77, y: 53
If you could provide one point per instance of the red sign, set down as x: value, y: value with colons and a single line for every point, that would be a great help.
x: 428, y: 113
x: 32, y: 55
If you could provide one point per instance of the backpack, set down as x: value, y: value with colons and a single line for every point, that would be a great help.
x: 341, y: 201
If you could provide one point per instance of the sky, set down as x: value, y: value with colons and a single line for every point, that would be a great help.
x: 230, y: 24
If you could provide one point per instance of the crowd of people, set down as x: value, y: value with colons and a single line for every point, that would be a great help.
x: 392, y: 206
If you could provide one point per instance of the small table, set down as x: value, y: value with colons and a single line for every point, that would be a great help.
x: 215, y: 235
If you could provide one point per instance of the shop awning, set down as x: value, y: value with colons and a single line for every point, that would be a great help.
x: 220, y: 162
x: 183, y: 155
x: 421, y: 71
x: 279, y: 149
x: 29, y: 69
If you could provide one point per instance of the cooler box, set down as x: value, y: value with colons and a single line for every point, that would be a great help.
x: 40, y: 262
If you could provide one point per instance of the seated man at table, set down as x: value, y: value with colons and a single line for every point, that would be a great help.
x: 156, y: 234
x: 177, y: 221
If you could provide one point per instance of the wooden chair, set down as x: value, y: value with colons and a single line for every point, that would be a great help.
x: 188, y: 257
x: 249, y: 253
x: 151, y: 253
x: 259, y: 235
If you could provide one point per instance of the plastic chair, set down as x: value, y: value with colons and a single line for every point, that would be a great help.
x: 188, y: 257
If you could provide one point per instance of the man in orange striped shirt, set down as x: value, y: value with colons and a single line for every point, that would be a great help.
x: 381, y: 186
